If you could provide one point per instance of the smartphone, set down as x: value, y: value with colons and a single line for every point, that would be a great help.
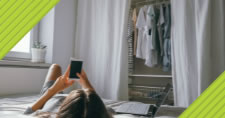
x: 75, y: 67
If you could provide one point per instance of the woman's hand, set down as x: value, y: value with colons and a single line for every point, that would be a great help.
x: 62, y: 82
x: 84, y: 82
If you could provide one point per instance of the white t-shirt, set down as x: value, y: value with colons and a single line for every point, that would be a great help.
x: 142, y: 34
x: 151, y: 55
x: 145, y: 49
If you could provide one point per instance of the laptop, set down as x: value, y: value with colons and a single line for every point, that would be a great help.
x: 144, y: 109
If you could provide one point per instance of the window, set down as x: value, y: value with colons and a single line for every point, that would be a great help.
x: 24, y: 45
x: 22, y: 50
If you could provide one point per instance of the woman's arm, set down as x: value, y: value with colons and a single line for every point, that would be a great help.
x: 42, y: 100
x: 84, y: 82
x: 61, y: 83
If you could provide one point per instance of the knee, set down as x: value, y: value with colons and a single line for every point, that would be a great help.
x: 55, y: 67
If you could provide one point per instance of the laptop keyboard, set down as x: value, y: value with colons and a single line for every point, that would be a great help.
x: 144, y: 109
x: 134, y: 108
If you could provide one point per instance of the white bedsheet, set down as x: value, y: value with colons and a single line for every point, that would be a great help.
x: 12, y: 106
x: 15, y: 106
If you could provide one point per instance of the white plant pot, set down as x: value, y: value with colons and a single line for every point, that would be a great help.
x: 38, y: 55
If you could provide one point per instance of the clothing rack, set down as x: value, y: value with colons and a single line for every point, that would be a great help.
x: 144, y: 83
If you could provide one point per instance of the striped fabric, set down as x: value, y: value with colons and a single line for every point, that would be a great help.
x: 130, y: 39
x: 17, y: 17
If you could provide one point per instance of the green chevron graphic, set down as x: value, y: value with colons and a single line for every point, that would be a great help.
x: 18, y: 17
x: 211, y: 103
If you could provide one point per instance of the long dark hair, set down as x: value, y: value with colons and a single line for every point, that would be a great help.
x: 83, y: 104
x: 80, y: 104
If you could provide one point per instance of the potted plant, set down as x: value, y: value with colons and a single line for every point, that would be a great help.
x: 38, y: 52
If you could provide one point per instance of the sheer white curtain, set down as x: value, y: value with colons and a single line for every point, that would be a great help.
x: 198, y: 46
x: 101, y: 43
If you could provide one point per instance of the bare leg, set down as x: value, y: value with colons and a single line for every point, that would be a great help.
x: 53, y: 73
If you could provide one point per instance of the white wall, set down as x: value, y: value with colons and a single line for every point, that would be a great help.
x: 57, y: 31
x: 64, y: 33
x: 64, y: 30
x: 21, y: 80
x: 46, y: 34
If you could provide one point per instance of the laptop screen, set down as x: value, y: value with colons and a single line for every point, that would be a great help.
x: 164, y: 95
x: 162, y: 98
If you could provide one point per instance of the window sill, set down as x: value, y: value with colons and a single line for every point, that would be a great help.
x: 24, y: 64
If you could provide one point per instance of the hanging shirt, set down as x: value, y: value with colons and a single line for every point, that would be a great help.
x: 154, y: 18
x: 160, y: 30
x: 151, y: 54
x: 161, y: 16
x: 151, y: 57
x: 167, y: 21
x: 142, y: 37
x: 167, y: 55
x: 167, y: 41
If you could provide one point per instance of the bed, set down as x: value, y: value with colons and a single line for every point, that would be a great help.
x: 12, y: 106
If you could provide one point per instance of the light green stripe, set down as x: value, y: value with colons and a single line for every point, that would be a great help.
x: 40, y: 15
x: 208, y: 102
x: 198, y: 101
x: 10, y: 11
x: 11, y: 6
x: 2, y: 3
x: 6, y: 7
x: 23, y: 28
x: 17, y: 13
x: 22, y: 21
x: 220, y: 114
x: 214, y: 103
x: 217, y: 109
x: 16, y: 24
x: 12, y: 22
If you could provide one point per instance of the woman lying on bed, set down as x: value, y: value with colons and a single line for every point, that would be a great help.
x: 84, y: 103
